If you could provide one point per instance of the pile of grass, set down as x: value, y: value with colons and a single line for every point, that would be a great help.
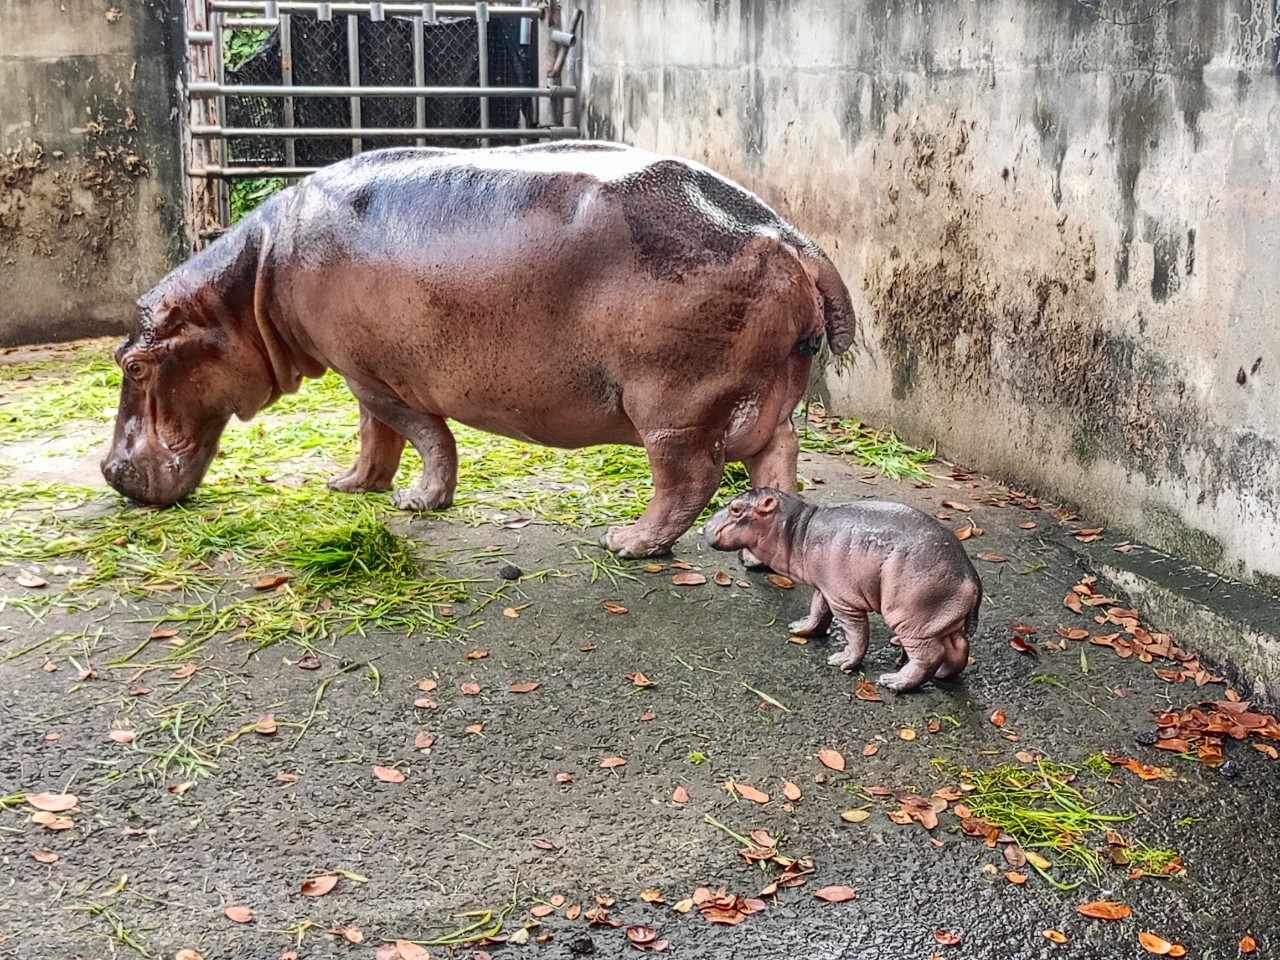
x: 1040, y: 806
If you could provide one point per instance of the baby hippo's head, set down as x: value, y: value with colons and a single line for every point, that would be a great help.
x: 749, y: 517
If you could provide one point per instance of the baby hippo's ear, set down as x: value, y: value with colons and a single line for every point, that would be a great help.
x: 766, y: 505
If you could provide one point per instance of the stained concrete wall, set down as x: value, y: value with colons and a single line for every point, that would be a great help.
x: 1060, y: 222
x: 91, y: 187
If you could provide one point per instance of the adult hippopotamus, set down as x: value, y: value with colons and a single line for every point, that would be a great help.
x: 568, y: 294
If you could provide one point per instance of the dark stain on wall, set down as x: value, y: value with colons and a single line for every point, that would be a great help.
x: 1137, y: 112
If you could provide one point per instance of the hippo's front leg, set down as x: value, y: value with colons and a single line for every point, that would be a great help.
x: 857, y: 633
x: 818, y: 620
x: 686, y: 471
x: 924, y: 657
x: 378, y: 459
x: 431, y: 437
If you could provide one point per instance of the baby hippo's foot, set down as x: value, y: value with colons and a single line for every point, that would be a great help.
x: 924, y: 657
x: 357, y: 480
x: 631, y: 543
x: 808, y: 627
x: 422, y: 497
x: 848, y: 658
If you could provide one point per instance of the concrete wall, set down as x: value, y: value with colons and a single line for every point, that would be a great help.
x: 90, y: 180
x: 1060, y: 222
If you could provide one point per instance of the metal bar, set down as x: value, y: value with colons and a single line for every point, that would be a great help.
x: 266, y: 90
x: 286, y: 78
x: 324, y: 11
x: 249, y: 23
x: 525, y: 24
x: 403, y: 9
x: 376, y: 12
x: 353, y: 74
x: 420, y: 72
x: 482, y: 42
x: 220, y: 107
x: 209, y: 132
x: 202, y: 37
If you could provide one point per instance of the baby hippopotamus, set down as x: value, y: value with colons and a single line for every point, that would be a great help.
x: 860, y: 557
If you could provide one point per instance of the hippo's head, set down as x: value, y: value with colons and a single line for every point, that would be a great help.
x: 188, y: 366
x: 747, y: 518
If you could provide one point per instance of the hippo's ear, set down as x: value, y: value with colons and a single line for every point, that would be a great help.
x: 766, y: 505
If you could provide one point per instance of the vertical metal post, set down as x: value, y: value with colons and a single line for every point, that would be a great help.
x: 220, y: 74
x: 324, y: 11
x: 353, y: 75
x: 286, y: 76
x: 420, y: 70
x: 482, y: 40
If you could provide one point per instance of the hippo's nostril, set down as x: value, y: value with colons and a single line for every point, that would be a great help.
x: 110, y: 470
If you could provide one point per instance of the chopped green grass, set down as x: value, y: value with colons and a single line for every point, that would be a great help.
x: 863, y: 444
x: 1040, y: 806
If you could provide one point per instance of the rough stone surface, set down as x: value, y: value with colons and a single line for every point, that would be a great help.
x: 90, y: 177
x: 1056, y: 219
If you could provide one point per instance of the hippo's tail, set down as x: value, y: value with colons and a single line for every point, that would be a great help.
x: 837, y: 308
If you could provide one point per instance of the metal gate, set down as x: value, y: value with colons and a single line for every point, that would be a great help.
x: 279, y: 89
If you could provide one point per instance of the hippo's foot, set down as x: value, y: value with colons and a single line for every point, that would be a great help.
x: 844, y: 659
x: 808, y: 627
x: 924, y: 658
x: 904, y: 681
x: 356, y: 481
x: 630, y: 543
x: 752, y: 562
x: 422, y: 498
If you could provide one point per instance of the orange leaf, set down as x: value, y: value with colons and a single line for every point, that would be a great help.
x: 907, y: 733
x: 681, y: 795
x: 183, y: 672
x: 870, y: 749
x: 524, y: 686
x: 790, y: 790
x: 388, y: 774
x: 425, y: 703
x: 639, y: 679
x: 424, y: 740
x: 612, y: 607
x: 1022, y: 644
x: 239, y: 914
x: 778, y: 580
x: 1105, y: 910
x: 610, y: 763
x: 426, y: 686
x: 722, y: 579
x: 470, y: 688
x: 477, y: 654
x: 957, y: 505
x: 748, y: 792
x: 1057, y: 936
x: 265, y: 725
x: 1153, y: 944
x: 998, y: 718
x: 991, y: 557
x: 319, y: 886
x: 946, y: 938
x: 475, y: 728
x: 541, y: 910
x: 651, y: 895
x: 122, y: 736
x: 832, y: 759
x: 835, y: 894
x: 867, y: 691
x: 647, y: 716
x: 964, y: 533
x: 1028, y: 525
x: 53, y: 802
x: 1015, y: 878
x: 409, y: 950
x: 1248, y: 944
x: 270, y: 581
x: 564, y: 778
x: 1072, y: 602
x: 688, y: 578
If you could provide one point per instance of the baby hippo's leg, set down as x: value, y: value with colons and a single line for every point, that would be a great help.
x: 924, y: 656
x: 955, y: 656
x: 856, y: 632
x: 817, y: 621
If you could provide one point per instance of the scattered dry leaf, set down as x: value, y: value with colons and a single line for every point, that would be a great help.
x: 688, y: 578
x: 265, y: 725
x: 1022, y: 644
x: 639, y: 679
x: 1105, y: 909
x: 1154, y: 944
x: 43, y: 856
x: 748, y: 792
x: 122, y: 736
x: 270, y: 581
x: 239, y: 914
x: 26, y: 578
x: 183, y: 672
x: 477, y: 654
x: 831, y: 759
x: 680, y: 795
x: 1015, y: 878
x: 835, y: 893
x: 388, y: 774
x: 319, y: 886
x: 946, y: 938
x: 524, y: 686
x: 651, y: 895
x: 991, y: 557
x: 423, y: 740
x: 957, y: 505
x: 778, y: 580
x: 564, y: 777
x: 53, y: 802
x: 1057, y: 936
x: 427, y: 685
x: 611, y: 763
x: 469, y: 687
x: 409, y: 950
x: 907, y: 733
x: 867, y: 691
x: 855, y: 816
x: 612, y: 607
x: 541, y: 910
x: 722, y: 579
x: 474, y: 729
x: 998, y: 718
x: 1248, y: 944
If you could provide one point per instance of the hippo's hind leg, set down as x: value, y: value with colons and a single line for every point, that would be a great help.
x: 818, y: 620
x: 857, y: 632
x: 955, y: 656
x: 431, y: 437
x: 924, y: 657
x: 379, y: 457
x: 687, y: 465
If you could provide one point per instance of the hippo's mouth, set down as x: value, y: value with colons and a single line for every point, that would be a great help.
x: 161, y: 478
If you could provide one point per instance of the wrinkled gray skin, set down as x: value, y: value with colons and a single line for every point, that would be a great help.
x: 863, y: 557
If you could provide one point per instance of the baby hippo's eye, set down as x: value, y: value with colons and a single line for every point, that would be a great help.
x: 735, y: 509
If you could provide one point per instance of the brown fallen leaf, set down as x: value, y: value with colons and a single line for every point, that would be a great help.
x: 612, y: 763
x: 409, y: 950
x: 183, y: 672
x: 639, y: 679
x: 26, y: 578
x: 998, y: 718
x: 43, y: 856
x: 469, y: 687
x: 524, y: 686
x: 1022, y: 644
x: 239, y: 914
x: 680, y: 795
x: 309, y: 661
x: 474, y: 729
x: 1248, y: 944
x: 425, y: 703
x: 831, y: 759
x: 748, y: 792
x: 854, y: 816
x: 991, y: 557
x: 388, y: 774
x: 778, y: 580
x: 287, y: 777
x: 541, y: 910
x: 611, y: 607
x: 51, y: 821
x: 349, y: 933
x: 1057, y: 936
x: 1075, y: 633
x: 870, y: 749
x: 722, y: 579
x: 162, y: 633
x: 835, y: 893
x: 1018, y: 879
x: 319, y: 886
x: 122, y: 736
x: 647, y: 716
x: 1028, y: 525
x: 866, y: 690
x: 946, y: 938
x: 1105, y: 910
x: 188, y: 954
x: 907, y: 733
x: 1154, y: 944
x: 1072, y: 602
x: 791, y: 791
x: 652, y: 895
x: 423, y: 740
x: 542, y: 843
x: 957, y: 505
x: 511, y: 612
x: 477, y: 654
x: 427, y: 685
x: 265, y: 725
x: 688, y: 578
x: 270, y: 581
x: 563, y: 777
x: 53, y: 802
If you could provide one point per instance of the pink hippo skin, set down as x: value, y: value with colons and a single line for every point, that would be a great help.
x: 864, y: 557
x: 567, y: 294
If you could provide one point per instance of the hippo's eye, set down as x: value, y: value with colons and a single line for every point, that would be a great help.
x: 133, y: 368
x: 735, y: 509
